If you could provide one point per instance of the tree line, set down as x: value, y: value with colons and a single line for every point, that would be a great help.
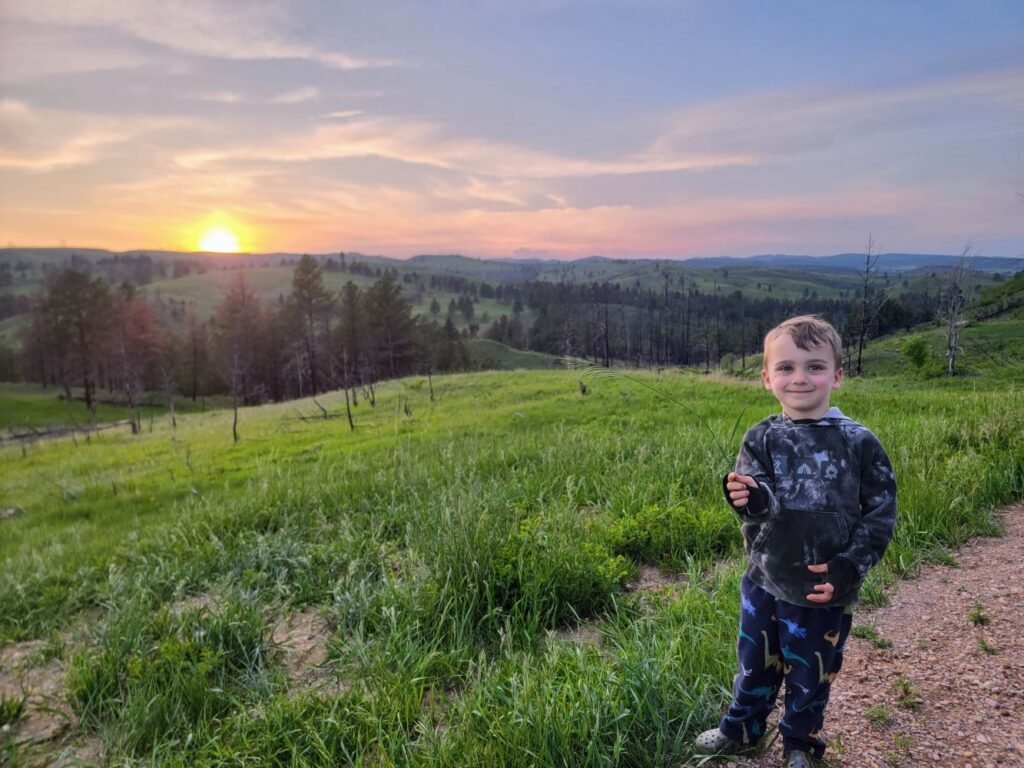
x: 85, y: 333
x: 97, y: 336
x: 680, y: 325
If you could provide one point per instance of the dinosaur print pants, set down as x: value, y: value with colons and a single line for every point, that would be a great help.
x: 784, y: 643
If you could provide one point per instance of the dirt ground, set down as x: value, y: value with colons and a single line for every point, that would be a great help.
x: 947, y: 688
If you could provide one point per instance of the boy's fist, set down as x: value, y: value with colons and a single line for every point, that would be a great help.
x: 737, y: 488
x: 839, y: 575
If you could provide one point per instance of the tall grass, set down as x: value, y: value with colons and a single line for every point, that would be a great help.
x: 160, y: 681
x: 458, y: 555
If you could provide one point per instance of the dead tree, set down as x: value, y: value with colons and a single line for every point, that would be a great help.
x: 953, y: 309
x: 871, y: 302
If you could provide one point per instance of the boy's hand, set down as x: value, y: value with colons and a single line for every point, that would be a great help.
x: 840, y: 572
x: 823, y: 593
x: 737, y: 487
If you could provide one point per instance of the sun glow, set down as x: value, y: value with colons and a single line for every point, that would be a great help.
x: 219, y: 240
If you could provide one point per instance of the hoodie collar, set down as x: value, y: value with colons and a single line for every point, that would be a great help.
x: 832, y: 414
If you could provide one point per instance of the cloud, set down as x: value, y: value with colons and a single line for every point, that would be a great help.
x: 757, y: 130
x: 342, y: 114
x: 29, y: 51
x: 221, y: 97
x: 198, y: 27
x: 297, y: 96
x: 40, y: 141
x: 424, y: 143
x: 780, y: 125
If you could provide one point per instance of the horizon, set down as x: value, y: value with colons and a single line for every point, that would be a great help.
x: 969, y: 255
x: 548, y: 129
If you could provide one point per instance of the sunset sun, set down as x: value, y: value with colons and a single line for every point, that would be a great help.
x: 219, y: 240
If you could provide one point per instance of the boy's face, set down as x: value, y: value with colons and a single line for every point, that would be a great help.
x: 801, y: 380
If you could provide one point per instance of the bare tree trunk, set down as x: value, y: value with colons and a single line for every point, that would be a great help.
x: 345, y: 387
x: 607, y: 347
x: 955, y: 302
x: 687, y: 337
x: 629, y: 336
x: 718, y: 329
x: 870, y: 261
x: 743, y: 345
x: 234, y: 396
x: 195, y: 363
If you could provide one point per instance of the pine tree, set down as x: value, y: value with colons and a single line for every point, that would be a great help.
x: 391, y: 325
x: 237, y: 323
x: 313, y: 303
x: 76, y: 314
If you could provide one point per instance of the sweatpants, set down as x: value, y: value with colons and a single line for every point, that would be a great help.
x: 780, y: 642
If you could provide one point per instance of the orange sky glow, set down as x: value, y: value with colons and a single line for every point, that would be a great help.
x: 638, y: 132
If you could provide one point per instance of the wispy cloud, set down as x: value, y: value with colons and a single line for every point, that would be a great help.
x: 296, y: 96
x: 777, y: 125
x: 342, y: 114
x: 423, y: 143
x: 40, y: 141
x: 754, y: 130
x: 199, y: 27
x: 220, y: 97
x: 30, y: 51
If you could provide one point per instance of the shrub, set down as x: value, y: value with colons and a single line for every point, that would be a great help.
x: 917, y: 352
x: 671, y: 534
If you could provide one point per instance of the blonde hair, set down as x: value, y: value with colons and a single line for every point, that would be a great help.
x: 808, y: 332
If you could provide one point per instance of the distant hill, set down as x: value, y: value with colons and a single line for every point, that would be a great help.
x: 433, y: 282
x: 891, y: 262
x: 512, y: 269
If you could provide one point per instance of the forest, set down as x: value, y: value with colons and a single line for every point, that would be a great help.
x: 95, y: 328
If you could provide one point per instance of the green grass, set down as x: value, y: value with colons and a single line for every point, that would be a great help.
x: 444, y: 547
x: 26, y: 406
x: 906, y: 693
x: 977, y: 615
x: 993, y: 350
x: 10, y: 331
x: 871, y: 633
x: 493, y: 355
x: 878, y: 715
x: 1003, y: 299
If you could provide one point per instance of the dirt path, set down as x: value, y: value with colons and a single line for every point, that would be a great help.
x: 949, y: 690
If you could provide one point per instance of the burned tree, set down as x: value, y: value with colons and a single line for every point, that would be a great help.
x: 953, y: 308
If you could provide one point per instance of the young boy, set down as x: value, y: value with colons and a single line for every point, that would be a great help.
x: 816, y: 496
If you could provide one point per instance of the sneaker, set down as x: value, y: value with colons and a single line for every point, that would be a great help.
x: 714, y: 741
x: 797, y: 759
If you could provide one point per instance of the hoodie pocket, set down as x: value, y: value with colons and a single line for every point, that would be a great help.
x: 798, y: 537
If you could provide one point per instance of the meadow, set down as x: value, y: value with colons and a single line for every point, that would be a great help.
x: 24, y: 407
x: 508, y: 573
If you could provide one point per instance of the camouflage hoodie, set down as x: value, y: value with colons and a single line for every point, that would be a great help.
x: 827, y: 490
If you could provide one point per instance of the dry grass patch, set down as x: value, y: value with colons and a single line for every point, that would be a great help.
x: 302, y: 639
x: 650, y: 578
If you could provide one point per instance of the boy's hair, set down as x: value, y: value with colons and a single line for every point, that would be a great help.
x: 808, y: 332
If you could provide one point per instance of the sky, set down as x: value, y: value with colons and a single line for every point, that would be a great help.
x: 514, y: 128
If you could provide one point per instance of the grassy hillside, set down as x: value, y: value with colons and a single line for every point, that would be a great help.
x: 463, y: 562
x: 204, y: 292
x: 992, y: 350
x: 27, y: 406
x: 493, y: 355
x: 1003, y: 299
